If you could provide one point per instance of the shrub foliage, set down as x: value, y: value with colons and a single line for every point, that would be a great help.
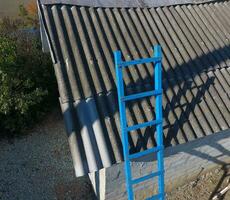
x: 27, y: 83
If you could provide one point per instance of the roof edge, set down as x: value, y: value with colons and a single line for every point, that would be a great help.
x: 125, y: 3
x: 46, y: 44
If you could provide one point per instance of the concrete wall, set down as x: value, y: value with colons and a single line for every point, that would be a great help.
x: 182, y: 163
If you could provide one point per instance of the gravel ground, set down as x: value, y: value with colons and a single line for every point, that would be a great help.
x: 39, y: 166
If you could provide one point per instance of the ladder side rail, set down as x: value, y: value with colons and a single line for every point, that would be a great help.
x: 123, y: 125
x: 158, y: 86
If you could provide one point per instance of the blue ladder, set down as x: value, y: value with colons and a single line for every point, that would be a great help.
x: 122, y: 99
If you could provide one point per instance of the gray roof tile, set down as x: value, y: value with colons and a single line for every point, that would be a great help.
x: 195, y: 41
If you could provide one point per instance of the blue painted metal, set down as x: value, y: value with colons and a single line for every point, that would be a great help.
x: 146, y: 177
x: 158, y: 86
x: 123, y: 122
x: 142, y: 125
x: 141, y: 61
x: 158, y: 196
x: 141, y: 95
x: 146, y: 152
x: 157, y: 92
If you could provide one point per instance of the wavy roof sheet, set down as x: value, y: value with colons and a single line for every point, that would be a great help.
x: 196, y: 74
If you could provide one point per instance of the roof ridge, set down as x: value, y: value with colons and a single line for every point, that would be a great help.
x: 126, y: 3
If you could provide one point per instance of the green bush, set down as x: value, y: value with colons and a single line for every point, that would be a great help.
x: 27, y: 82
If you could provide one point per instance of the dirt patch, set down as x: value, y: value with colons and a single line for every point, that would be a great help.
x: 11, y: 8
x: 75, y: 190
x: 204, y: 187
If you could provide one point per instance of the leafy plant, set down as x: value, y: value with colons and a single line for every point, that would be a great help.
x: 27, y: 82
x: 29, y: 14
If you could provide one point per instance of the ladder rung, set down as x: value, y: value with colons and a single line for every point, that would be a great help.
x: 146, y: 152
x: 142, y: 125
x: 140, y: 61
x: 157, y: 196
x: 144, y: 178
x: 141, y: 95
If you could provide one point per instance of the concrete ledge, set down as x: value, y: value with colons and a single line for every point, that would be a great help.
x: 182, y: 163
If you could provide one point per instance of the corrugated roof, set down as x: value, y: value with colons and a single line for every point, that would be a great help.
x: 196, y: 74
